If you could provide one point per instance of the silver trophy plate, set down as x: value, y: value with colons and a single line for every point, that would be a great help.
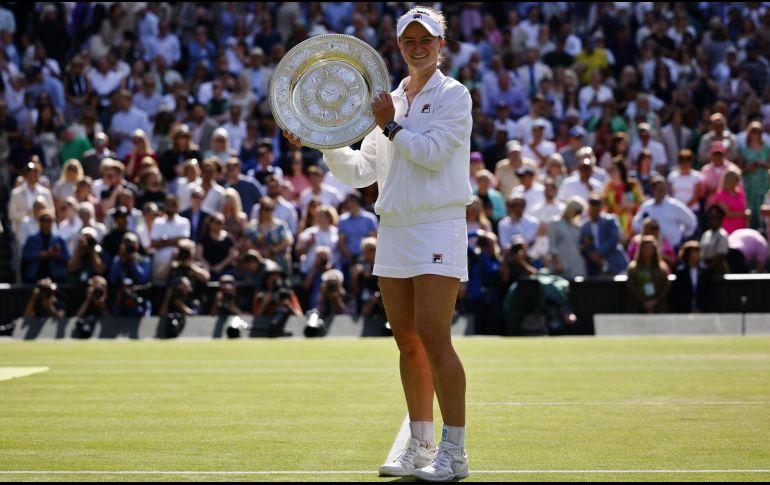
x: 322, y: 89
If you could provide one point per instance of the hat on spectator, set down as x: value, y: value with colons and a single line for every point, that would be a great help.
x: 718, y: 147
x: 120, y: 211
x: 577, y: 132
x: 538, y: 123
x: 502, y: 105
x: 513, y: 146
x: 643, y: 127
x: 657, y: 180
x: 518, y: 240
x: 431, y: 25
x: 594, y: 199
x: 525, y: 169
x: 333, y: 275
x: 477, y: 157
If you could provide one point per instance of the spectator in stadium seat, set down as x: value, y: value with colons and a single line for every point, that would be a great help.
x: 677, y: 221
x: 718, y: 133
x: 92, y: 159
x: 732, y: 199
x: 217, y: 250
x: 754, y: 159
x: 247, y: 187
x: 531, y: 190
x: 328, y: 195
x: 600, y: 241
x: 692, y: 291
x: 166, y: 234
x: 87, y: 258
x: 517, y: 222
x: 125, y: 122
x: 23, y: 196
x: 355, y: 225
x: 582, y: 182
x: 647, y: 283
x: 657, y: 150
x: 564, y: 241
x: 45, y: 254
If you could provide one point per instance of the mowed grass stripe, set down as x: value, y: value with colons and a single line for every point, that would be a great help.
x: 340, y: 419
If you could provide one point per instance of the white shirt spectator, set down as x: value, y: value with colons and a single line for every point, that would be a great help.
x: 126, y: 122
x: 328, y: 238
x: 586, y: 95
x: 214, y: 200
x: 547, y: 212
x: 675, y: 219
x: 163, y: 228
x: 545, y: 149
x: 461, y: 57
x: 683, y: 186
x: 526, y: 227
x: 573, y: 45
x: 106, y: 83
x: 148, y: 28
x: 149, y: 104
x: 167, y: 47
x: 236, y: 133
x: 659, y: 156
x: 535, y: 196
x: 524, y: 124
x: 572, y: 186
x: 329, y: 196
x: 70, y: 232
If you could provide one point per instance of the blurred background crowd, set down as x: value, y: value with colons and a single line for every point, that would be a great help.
x: 138, y: 150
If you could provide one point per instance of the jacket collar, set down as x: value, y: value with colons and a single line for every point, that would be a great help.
x: 434, y: 81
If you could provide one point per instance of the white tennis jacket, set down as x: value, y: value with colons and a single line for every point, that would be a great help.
x: 423, y: 175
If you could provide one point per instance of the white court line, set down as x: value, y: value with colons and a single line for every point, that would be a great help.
x: 368, y: 472
x: 398, y: 444
x: 7, y: 373
x: 624, y: 403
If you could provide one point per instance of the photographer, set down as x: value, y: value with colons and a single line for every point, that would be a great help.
x: 516, y: 262
x: 332, y: 298
x: 225, y: 300
x: 311, y: 285
x: 277, y: 301
x: 95, y: 304
x: 129, y: 262
x: 86, y: 261
x: 178, y: 295
x: 364, y: 285
x: 129, y: 303
x: 183, y: 264
x: 44, y: 303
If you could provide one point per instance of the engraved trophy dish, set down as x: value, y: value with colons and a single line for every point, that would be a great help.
x: 322, y: 89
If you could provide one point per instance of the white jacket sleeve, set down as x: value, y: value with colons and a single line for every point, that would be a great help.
x: 431, y: 149
x: 356, y: 168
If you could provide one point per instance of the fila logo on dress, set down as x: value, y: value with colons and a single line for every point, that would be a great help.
x: 438, y: 258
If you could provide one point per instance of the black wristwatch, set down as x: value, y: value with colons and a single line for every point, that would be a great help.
x: 390, y: 127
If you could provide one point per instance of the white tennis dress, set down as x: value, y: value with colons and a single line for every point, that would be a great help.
x: 423, y: 180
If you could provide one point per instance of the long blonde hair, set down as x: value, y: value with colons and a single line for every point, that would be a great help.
x: 232, y: 195
x: 69, y: 163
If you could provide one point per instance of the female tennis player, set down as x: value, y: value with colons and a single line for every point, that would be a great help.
x: 420, y: 163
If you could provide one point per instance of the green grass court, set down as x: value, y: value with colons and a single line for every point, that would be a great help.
x: 577, y: 408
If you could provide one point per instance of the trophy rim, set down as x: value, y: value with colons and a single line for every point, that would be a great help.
x: 381, y: 74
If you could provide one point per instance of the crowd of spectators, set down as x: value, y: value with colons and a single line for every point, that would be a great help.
x: 137, y: 148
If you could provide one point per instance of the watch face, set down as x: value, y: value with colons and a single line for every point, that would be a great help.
x: 392, y: 125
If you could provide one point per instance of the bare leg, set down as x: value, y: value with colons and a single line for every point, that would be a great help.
x: 435, y: 298
x: 398, y: 297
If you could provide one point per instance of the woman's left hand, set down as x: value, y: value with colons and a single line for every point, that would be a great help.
x: 383, y: 109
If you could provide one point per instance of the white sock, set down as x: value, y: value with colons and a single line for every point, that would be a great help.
x: 454, y: 435
x: 423, y: 432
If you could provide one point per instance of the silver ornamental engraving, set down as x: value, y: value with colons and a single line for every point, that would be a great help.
x: 321, y: 90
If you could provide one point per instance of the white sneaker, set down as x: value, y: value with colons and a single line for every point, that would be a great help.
x: 451, y: 463
x: 413, y: 457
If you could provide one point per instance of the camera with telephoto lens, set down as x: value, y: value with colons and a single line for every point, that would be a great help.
x: 235, y: 327
x: 314, y: 324
x: 84, y: 327
x: 46, y: 289
x: 6, y: 329
x: 184, y: 254
x: 175, y: 322
x: 98, y: 293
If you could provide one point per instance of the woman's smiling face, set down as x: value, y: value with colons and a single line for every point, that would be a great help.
x: 419, y: 48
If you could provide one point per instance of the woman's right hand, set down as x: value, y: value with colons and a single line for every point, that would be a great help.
x: 292, y: 139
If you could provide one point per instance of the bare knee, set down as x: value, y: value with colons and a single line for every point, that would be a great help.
x: 408, y: 342
x: 436, y: 346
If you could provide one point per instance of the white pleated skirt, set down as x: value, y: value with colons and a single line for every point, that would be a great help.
x: 439, y: 248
